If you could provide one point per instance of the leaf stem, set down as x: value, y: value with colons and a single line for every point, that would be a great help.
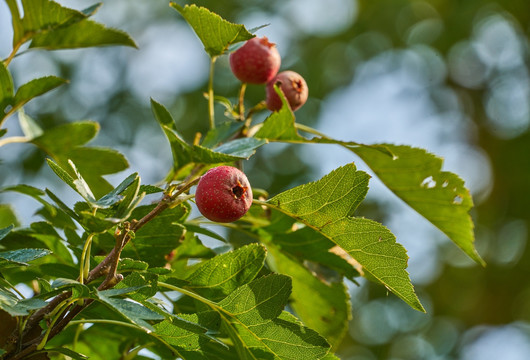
x: 241, y: 104
x: 189, y: 293
x: 12, y: 139
x: 83, y: 273
x: 211, y: 111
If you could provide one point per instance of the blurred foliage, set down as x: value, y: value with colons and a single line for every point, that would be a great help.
x: 463, y: 299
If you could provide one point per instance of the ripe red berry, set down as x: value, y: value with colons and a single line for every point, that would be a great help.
x: 223, y: 194
x: 294, y: 88
x: 256, y: 62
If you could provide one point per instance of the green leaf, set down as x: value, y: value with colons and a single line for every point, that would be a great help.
x: 134, y: 312
x: 131, y: 198
x: 253, y: 317
x: 85, y: 33
x: 324, y: 307
x: 5, y: 231
x: 65, y: 142
x: 63, y: 138
x: 183, y: 153
x: 280, y: 125
x: 415, y: 176
x: 79, y: 184
x: 7, y: 216
x: 114, y: 197
x: 327, y: 207
x: 192, y: 248
x: 306, y: 244
x: 6, y: 89
x: 215, y: 33
x: 21, y: 257
x: 158, y: 237
x: 35, y: 88
x: 241, y: 148
x: 189, y: 339
x: 69, y: 353
x: 214, y: 280
x: 29, y: 127
x: 18, y: 307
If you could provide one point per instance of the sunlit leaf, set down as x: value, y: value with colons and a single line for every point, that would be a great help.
x: 327, y: 206
x: 34, y: 88
x: 216, y: 33
x: 415, y: 176
x: 214, y: 280
x: 254, y: 320
x: 85, y: 33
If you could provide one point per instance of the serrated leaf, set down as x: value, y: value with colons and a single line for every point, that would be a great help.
x: 415, y: 176
x: 21, y: 257
x: 85, y: 33
x: 280, y: 125
x: 254, y: 319
x: 216, y: 33
x: 307, y: 244
x: 218, y: 277
x: 189, y: 339
x: 324, y: 307
x: 65, y: 137
x: 34, y: 88
x: 327, y: 206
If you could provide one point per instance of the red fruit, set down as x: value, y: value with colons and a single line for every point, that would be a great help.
x: 223, y: 194
x: 294, y: 88
x: 256, y: 62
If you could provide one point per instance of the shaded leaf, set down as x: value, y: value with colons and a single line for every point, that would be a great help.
x: 255, y: 321
x: 134, y: 312
x: 158, y: 237
x: 21, y: 257
x: 327, y: 206
x: 215, y: 33
x: 5, y: 231
x: 322, y: 306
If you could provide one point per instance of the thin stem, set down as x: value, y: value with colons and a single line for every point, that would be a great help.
x: 189, y: 293
x: 83, y: 274
x: 57, y: 315
x: 12, y: 139
x: 241, y: 104
x: 210, y: 94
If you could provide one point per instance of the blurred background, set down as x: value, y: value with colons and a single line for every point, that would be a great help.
x: 449, y: 76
